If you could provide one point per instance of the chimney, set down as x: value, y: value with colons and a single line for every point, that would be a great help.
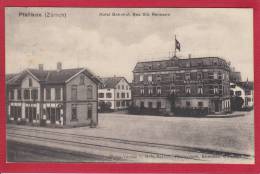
x: 41, y: 67
x: 59, y: 66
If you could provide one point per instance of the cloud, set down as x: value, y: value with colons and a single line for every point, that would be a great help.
x: 112, y: 45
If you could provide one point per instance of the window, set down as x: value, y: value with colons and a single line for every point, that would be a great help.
x: 123, y: 103
x: 188, y: 103
x: 211, y: 75
x: 150, y: 90
x: 118, y: 104
x: 187, y: 76
x: 238, y: 93
x: 34, y: 94
x: 200, y: 104
x: 141, y: 78
x: 199, y: 75
x: 150, y: 78
x: 74, y: 113
x: 122, y: 95
x: 172, y: 90
x: 11, y: 94
x: 48, y: 94
x: 173, y: 77
x: 74, y: 92
x: 158, y: 78
x: 150, y: 105
x: 90, y: 92
x: 215, y: 75
x: 142, y: 91
x: 57, y: 93
x: 123, y: 87
x: 82, y: 80
x: 219, y: 76
x: 142, y: 104
x: 159, y: 105
x: 101, y: 95
x: 231, y: 92
x: 126, y: 87
x: 187, y: 89
x: 118, y: 95
x: 30, y: 82
x: 26, y: 94
x: 200, y: 90
x: 159, y: 90
x: 89, y: 115
x: 127, y: 95
x: 215, y: 89
x: 108, y: 95
x: 19, y: 94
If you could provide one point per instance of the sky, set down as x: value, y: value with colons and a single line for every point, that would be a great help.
x: 112, y: 45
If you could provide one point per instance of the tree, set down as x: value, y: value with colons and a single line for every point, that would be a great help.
x: 236, y: 103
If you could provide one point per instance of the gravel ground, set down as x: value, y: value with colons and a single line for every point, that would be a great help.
x: 231, y: 134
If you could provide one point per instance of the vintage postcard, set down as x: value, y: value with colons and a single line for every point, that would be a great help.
x: 129, y: 85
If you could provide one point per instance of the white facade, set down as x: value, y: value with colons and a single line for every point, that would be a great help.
x: 118, y: 97
x: 246, y: 95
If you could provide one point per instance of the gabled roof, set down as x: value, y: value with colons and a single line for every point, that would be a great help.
x: 52, y: 76
x: 111, y: 82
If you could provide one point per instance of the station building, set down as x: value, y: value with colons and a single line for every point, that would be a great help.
x: 195, y: 82
x: 63, y: 97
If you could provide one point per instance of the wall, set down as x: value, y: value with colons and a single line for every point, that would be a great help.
x: 81, y: 102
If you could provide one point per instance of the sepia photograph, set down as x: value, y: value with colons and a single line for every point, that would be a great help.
x: 129, y: 85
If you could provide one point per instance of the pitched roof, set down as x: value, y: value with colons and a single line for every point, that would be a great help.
x: 165, y: 64
x: 110, y: 82
x: 52, y: 76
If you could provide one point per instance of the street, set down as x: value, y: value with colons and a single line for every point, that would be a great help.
x: 208, y: 138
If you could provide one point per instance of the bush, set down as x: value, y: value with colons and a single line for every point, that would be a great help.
x: 134, y: 110
x: 191, y: 111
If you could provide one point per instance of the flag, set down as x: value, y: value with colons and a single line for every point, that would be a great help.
x: 177, y: 45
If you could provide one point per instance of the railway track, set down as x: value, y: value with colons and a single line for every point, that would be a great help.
x: 117, y: 147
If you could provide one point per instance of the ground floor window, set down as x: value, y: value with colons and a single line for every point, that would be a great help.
x: 16, y: 112
x: 200, y: 104
x: 150, y: 105
x: 118, y: 103
x: 30, y: 113
x: 74, y: 112
x: 53, y: 114
x: 89, y: 116
x: 142, y: 104
x: 159, y: 105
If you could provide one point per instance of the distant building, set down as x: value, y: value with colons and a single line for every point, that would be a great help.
x: 55, y: 97
x: 115, y: 92
x: 235, y: 76
x: 195, y: 83
x: 245, y: 90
